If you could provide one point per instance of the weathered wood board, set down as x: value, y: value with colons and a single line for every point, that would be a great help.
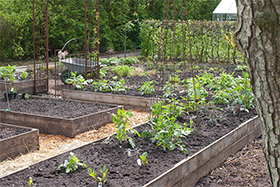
x: 59, y: 126
x: 19, y: 144
x: 129, y: 102
x: 190, y: 170
x: 26, y: 86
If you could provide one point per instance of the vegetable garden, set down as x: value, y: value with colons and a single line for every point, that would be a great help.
x: 189, y: 77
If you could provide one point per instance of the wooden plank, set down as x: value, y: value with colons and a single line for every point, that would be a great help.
x: 127, y: 101
x: 25, y: 86
x: 59, y: 126
x: 45, y: 124
x: 189, y: 165
x: 191, y: 180
x: 93, y: 121
x: 19, y: 144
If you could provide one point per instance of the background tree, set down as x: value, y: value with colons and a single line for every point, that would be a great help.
x: 258, y: 38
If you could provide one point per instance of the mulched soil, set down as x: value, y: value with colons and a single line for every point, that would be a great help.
x: 53, y: 107
x: 7, y: 131
x: 123, y: 170
x: 247, y: 167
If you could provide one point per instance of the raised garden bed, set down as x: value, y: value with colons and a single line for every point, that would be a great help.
x: 16, y: 140
x: 207, y: 147
x: 56, y: 116
x: 26, y: 86
x: 129, y: 102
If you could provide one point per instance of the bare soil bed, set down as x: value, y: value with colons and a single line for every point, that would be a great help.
x: 6, y: 132
x: 53, y: 107
x: 123, y: 170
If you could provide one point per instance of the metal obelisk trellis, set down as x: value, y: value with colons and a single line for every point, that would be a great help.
x: 85, y: 48
x: 40, y: 46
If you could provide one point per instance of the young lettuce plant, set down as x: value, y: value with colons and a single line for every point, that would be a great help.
x: 99, y: 179
x: 71, y: 165
x: 120, y: 119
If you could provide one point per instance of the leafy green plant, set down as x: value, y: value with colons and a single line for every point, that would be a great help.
x: 169, y: 90
x: 120, y: 119
x: 93, y: 174
x: 143, y: 158
x: 78, y: 80
x: 150, y: 65
x: 23, y: 75
x: 73, y: 163
x: 118, y: 86
x: 26, y: 96
x: 173, y: 79
x: 164, y: 130
x: 147, y: 88
x: 129, y: 60
x: 122, y: 71
x: 8, y: 73
x: 101, y: 86
x: 30, y: 182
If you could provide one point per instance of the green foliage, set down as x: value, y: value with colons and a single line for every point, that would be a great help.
x: 128, y: 60
x: 120, y: 119
x: 164, y: 130
x: 101, y: 86
x: 147, y: 88
x: 78, y: 80
x: 143, y: 158
x: 73, y: 163
x: 30, y: 181
x: 8, y: 73
x: 93, y: 174
x: 122, y: 71
x: 208, y: 44
x: 26, y: 96
x: 23, y: 75
x: 150, y: 65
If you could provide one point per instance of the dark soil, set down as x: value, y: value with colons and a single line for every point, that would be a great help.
x: 53, y: 107
x: 7, y: 131
x: 123, y: 170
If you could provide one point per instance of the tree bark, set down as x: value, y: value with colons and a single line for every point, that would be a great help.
x: 258, y: 39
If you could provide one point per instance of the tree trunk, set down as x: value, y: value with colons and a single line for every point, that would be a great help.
x: 258, y: 39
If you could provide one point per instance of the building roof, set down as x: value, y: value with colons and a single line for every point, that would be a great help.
x: 226, y: 7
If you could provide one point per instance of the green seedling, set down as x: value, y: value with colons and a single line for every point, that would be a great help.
x: 99, y: 179
x: 26, y: 96
x: 147, y: 88
x: 30, y: 182
x: 23, y: 75
x: 143, y: 159
x: 72, y: 164
x: 120, y: 119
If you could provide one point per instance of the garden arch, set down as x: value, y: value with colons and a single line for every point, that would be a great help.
x: 84, y: 48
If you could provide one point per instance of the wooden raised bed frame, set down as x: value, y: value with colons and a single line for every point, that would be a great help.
x: 129, y: 102
x: 26, y: 86
x: 19, y: 144
x: 187, y: 172
x: 60, y: 126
